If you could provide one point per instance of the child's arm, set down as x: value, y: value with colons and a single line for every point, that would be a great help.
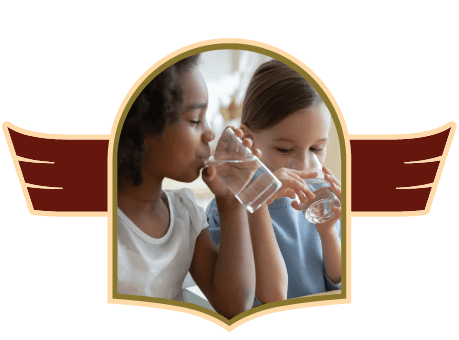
x: 226, y: 275
x: 271, y: 273
x: 292, y: 183
x: 331, y: 249
x: 331, y: 243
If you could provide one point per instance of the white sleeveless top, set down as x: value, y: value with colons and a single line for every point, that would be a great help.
x: 157, y: 267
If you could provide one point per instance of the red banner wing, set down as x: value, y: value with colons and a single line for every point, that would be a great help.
x: 398, y: 173
x: 60, y: 174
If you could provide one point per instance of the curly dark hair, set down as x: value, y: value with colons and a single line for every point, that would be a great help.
x: 157, y: 106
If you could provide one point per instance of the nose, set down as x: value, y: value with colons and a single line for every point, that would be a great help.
x: 299, y: 161
x: 208, y: 135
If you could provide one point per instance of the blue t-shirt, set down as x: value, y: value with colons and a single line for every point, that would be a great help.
x: 299, y: 243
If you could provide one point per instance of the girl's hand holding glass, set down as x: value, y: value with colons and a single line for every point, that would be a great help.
x: 335, y: 187
x: 235, y: 169
x: 293, y: 184
x: 229, y: 171
x: 321, y: 208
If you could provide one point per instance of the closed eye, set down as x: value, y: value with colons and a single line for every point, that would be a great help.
x: 284, y: 151
x: 316, y: 149
x: 196, y: 122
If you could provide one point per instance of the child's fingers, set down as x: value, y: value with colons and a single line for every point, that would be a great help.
x: 209, y: 173
x: 257, y: 152
x: 205, y: 173
x: 337, y: 211
x: 295, y: 205
x: 247, y: 142
x: 284, y: 192
x: 304, y: 174
x: 298, y: 193
x: 309, y: 194
x: 336, y: 190
x: 332, y: 222
x: 300, y: 182
x: 290, y: 193
x: 226, y: 144
x: 295, y: 185
x: 301, y: 195
x: 233, y: 146
x: 332, y: 177
x: 238, y: 132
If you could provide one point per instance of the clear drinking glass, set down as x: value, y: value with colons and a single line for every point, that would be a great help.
x: 318, y: 210
x: 243, y: 173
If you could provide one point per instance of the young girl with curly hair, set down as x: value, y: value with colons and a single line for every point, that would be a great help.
x: 163, y: 234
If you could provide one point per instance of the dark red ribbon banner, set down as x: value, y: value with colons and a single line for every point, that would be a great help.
x: 70, y: 175
x: 394, y: 175
x: 66, y: 175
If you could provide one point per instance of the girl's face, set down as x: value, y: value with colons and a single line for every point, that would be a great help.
x: 180, y: 153
x: 291, y: 143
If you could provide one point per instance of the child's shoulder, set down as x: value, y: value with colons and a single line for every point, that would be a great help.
x: 181, y: 194
x: 183, y: 200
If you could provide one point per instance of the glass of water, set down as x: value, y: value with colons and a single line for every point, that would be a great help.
x: 243, y: 173
x: 318, y: 210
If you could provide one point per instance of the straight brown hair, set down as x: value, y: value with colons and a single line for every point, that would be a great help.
x: 275, y: 92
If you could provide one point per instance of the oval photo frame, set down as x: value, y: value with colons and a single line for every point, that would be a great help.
x: 328, y: 298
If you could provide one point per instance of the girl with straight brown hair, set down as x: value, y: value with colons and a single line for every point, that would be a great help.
x: 288, y: 121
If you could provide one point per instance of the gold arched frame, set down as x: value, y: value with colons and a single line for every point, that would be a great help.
x: 344, y: 296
